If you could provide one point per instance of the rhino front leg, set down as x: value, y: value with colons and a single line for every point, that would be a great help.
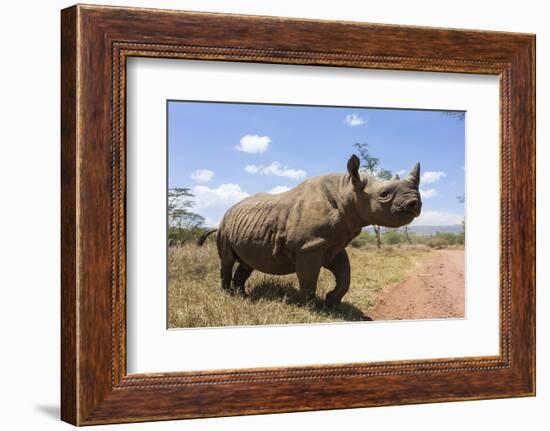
x: 308, y: 265
x: 341, y: 269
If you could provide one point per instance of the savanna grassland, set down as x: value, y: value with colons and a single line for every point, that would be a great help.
x: 195, y: 298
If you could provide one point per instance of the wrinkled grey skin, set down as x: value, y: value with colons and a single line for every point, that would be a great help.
x: 309, y: 226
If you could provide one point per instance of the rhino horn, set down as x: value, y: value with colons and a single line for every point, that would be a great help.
x: 414, y: 176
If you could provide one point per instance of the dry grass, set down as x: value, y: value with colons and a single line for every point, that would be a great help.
x: 195, y: 298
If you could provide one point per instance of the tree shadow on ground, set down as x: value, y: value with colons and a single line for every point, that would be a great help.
x: 286, y: 292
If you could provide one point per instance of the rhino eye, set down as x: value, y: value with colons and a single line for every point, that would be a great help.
x: 385, y: 195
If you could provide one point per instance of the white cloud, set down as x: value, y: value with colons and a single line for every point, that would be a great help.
x: 430, y: 177
x: 210, y: 222
x: 428, y: 193
x: 253, y: 144
x: 222, y: 197
x: 202, y: 175
x: 275, y: 168
x: 354, y: 120
x: 279, y: 189
x: 437, y: 218
x: 252, y: 169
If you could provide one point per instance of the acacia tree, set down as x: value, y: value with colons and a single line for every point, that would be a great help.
x: 459, y: 115
x: 180, y: 216
x: 406, y: 232
x: 461, y: 199
x: 371, y: 165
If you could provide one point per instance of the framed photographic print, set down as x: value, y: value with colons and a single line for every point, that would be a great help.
x: 264, y: 214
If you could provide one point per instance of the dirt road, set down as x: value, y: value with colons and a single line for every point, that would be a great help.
x: 435, y: 290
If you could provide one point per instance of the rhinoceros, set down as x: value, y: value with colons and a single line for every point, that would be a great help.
x: 308, y: 227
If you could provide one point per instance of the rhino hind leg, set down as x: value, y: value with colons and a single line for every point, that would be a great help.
x: 227, y: 260
x: 308, y: 265
x: 239, y: 278
x: 225, y: 273
x: 340, y: 267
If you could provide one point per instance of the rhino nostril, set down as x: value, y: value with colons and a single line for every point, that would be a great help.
x: 412, y: 204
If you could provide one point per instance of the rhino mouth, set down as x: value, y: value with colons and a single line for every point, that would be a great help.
x: 410, y: 208
x: 409, y: 216
x: 413, y: 213
x: 400, y: 218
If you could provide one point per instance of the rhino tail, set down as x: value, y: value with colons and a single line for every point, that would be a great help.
x: 205, y: 235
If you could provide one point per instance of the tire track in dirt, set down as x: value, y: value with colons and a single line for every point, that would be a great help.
x: 435, y: 290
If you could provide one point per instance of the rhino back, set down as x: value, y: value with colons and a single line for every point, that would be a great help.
x: 265, y: 231
x: 255, y: 231
x: 253, y: 220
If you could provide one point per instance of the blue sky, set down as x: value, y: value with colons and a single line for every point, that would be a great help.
x: 227, y: 151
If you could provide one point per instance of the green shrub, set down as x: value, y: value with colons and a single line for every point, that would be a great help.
x: 358, y: 242
x: 395, y: 237
x: 445, y: 239
x: 363, y: 239
x: 437, y: 242
x: 180, y: 236
x: 392, y: 237
x: 418, y: 239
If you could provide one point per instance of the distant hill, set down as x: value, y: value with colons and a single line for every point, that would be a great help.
x: 432, y: 230
x: 429, y: 230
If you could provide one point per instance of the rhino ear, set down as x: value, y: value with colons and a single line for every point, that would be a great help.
x: 353, y: 167
x: 414, y: 176
x: 396, y: 177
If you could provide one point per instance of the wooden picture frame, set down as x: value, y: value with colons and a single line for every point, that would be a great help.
x: 95, y: 43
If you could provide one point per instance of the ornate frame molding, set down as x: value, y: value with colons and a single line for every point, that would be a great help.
x: 96, y: 41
